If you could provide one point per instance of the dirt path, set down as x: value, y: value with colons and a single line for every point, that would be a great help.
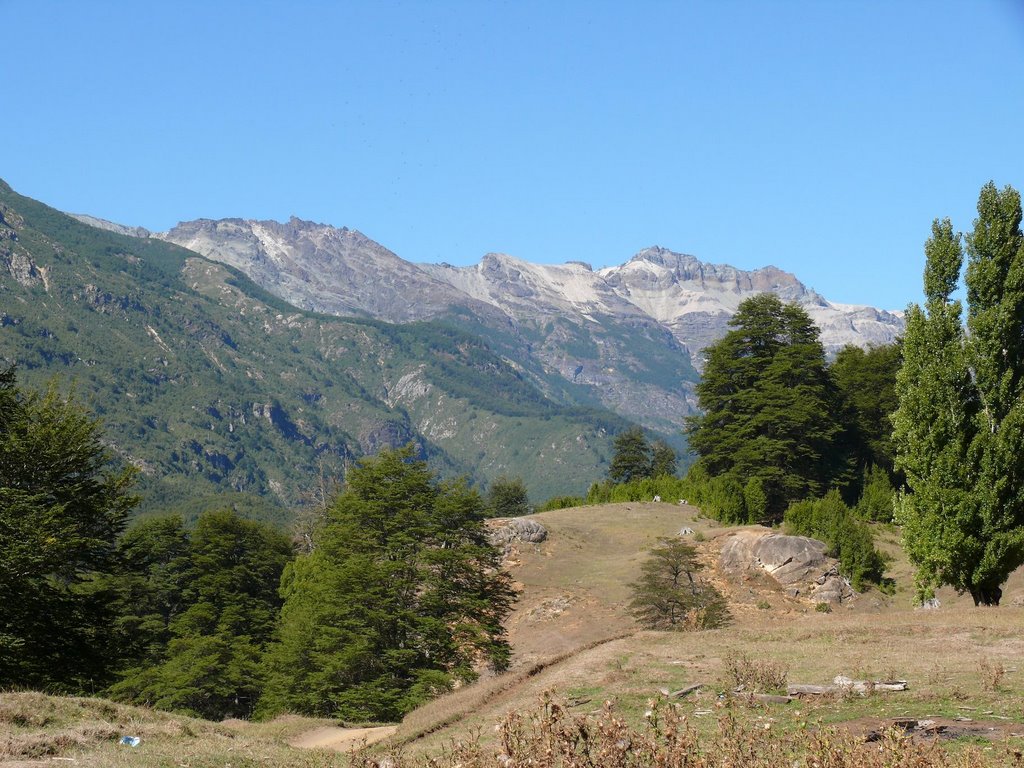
x: 341, y: 739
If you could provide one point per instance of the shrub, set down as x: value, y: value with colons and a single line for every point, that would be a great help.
x: 755, y: 675
x: 561, y: 502
x: 848, y: 539
x: 669, y: 595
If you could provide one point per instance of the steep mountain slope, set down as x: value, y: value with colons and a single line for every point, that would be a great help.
x: 208, y: 383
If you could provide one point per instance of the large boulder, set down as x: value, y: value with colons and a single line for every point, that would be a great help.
x: 799, y: 564
x: 504, y: 533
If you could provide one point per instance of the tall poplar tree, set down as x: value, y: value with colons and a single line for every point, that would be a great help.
x: 959, y: 429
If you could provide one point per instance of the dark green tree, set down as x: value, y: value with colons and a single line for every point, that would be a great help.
x: 959, y: 429
x: 632, y: 457
x: 867, y: 388
x: 400, y: 598
x: 507, y: 497
x: 769, y: 407
x: 62, y: 507
x: 153, y: 570
x: 663, y: 459
x: 210, y: 666
x: 670, y: 595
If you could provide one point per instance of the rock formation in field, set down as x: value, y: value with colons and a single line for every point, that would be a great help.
x: 799, y: 564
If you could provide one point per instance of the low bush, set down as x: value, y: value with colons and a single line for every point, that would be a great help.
x: 848, y: 538
x: 561, y: 502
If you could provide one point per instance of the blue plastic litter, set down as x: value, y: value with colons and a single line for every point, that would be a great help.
x: 131, y: 741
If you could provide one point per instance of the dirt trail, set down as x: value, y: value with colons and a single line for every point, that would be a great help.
x: 341, y: 739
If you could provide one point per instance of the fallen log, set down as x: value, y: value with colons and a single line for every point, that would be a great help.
x: 843, y: 684
x: 762, y: 698
x: 684, y: 691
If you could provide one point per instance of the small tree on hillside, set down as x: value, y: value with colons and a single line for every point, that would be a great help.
x: 632, y: 458
x: 663, y: 460
x: 669, y: 595
x: 507, y: 497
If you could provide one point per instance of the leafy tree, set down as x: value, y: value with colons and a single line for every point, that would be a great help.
x: 62, y: 506
x: 663, y: 459
x: 669, y: 595
x: 867, y: 387
x: 769, y: 407
x: 154, y: 564
x: 507, y: 497
x: 876, y: 499
x: 211, y: 664
x: 632, y: 457
x: 959, y: 430
x: 400, y: 598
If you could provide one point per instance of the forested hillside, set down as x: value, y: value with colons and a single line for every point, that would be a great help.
x: 210, y: 385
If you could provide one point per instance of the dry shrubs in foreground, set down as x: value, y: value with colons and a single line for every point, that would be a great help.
x: 553, y: 737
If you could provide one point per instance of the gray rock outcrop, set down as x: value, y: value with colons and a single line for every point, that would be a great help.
x: 517, y: 529
x: 799, y: 564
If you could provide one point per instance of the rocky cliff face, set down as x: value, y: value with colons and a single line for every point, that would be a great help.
x: 628, y: 337
x: 696, y: 300
x: 321, y: 268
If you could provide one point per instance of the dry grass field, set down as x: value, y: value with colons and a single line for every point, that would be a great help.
x: 573, y: 637
x: 576, y: 645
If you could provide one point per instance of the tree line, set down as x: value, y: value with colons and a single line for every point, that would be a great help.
x: 396, y: 597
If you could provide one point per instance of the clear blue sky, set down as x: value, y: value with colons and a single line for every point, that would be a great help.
x: 822, y: 137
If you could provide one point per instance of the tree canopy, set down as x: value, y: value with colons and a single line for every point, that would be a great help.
x: 632, y: 457
x: 401, y: 598
x: 62, y: 506
x: 959, y: 429
x: 770, y: 410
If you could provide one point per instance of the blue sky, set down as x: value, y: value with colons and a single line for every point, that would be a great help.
x: 821, y: 137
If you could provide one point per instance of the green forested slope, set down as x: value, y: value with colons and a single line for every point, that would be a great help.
x: 209, y: 384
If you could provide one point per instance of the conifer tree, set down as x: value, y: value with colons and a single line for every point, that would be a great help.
x: 62, y: 506
x: 959, y: 430
x: 632, y: 457
x: 770, y: 408
x: 227, y: 584
x: 663, y: 459
x: 671, y: 595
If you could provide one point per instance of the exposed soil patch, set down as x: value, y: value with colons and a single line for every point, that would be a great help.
x: 341, y: 739
x: 934, y: 728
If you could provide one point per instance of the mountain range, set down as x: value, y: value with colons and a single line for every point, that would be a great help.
x: 243, y: 355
